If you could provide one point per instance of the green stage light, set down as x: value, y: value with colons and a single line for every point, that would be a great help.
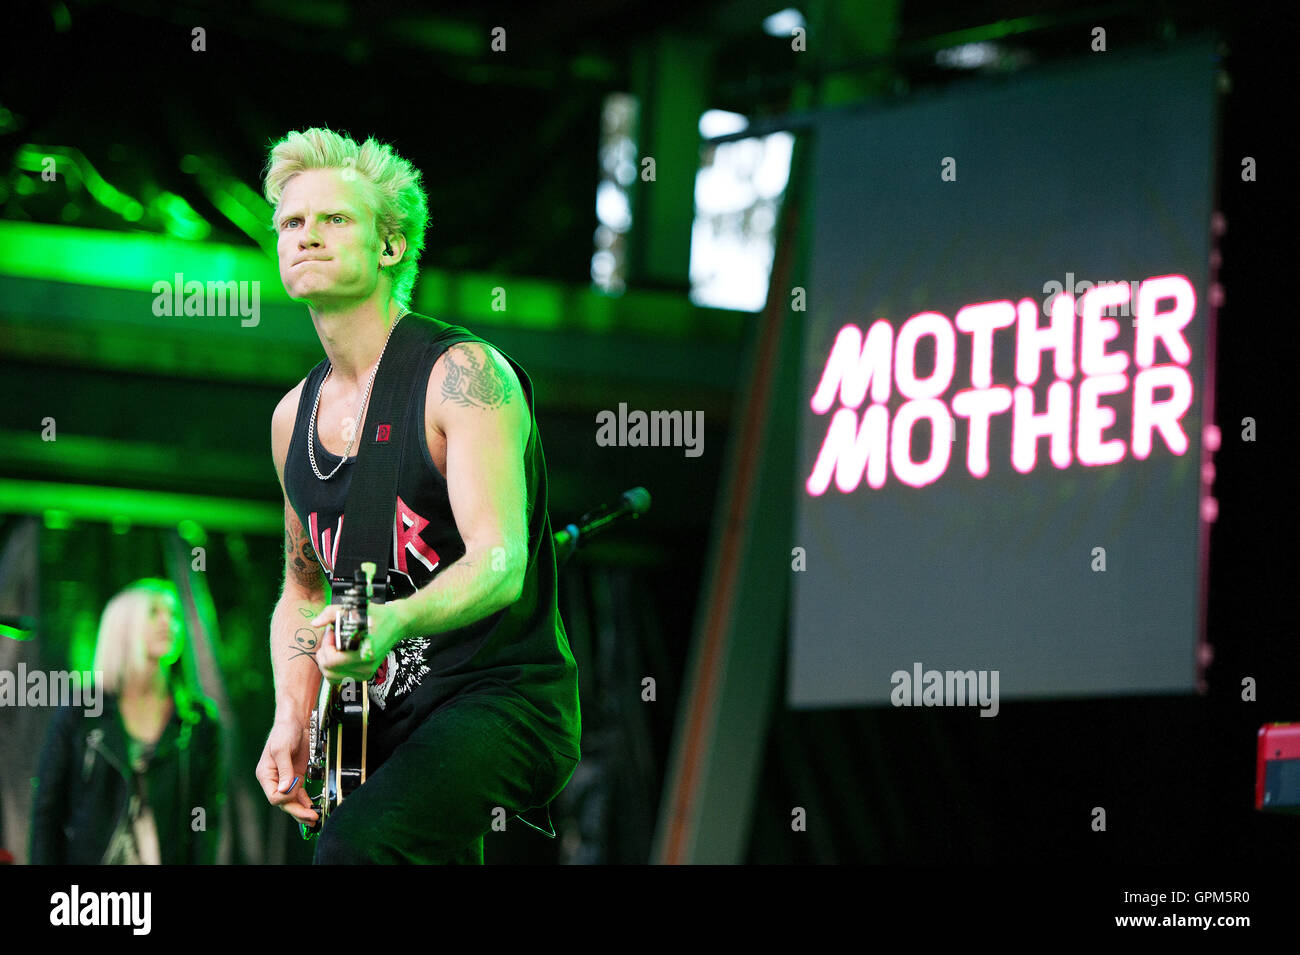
x: 137, y: 260
x: 61, y: 504
x: 127, y: 260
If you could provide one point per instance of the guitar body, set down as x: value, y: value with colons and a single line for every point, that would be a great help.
x: 340, y: 724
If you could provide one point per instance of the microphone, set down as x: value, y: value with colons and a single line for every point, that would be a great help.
x: 632, y: 505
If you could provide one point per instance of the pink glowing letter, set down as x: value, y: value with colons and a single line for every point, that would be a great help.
x: 1149, y: 414
x: 945, y: 355
x: 1098, y: 330
x: 1166, y: 326
x: 900, y: 451
x: 1032, y: 341
x: 979, y: 405
x: 854, y: 364
x: 1095, y: 418
x: 1027, y: 427
x: 849, y: 448
x: 981, y: 321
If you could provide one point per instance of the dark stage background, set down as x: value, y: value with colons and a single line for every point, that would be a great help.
x: 162, y: 422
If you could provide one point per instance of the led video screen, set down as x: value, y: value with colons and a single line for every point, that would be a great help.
x: 1005, y: 387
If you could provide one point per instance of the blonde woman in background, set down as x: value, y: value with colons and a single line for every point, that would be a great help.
x: 141, y: 782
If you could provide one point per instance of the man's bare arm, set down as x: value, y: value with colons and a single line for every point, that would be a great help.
x: 293, y: 642
x: 475, y: 400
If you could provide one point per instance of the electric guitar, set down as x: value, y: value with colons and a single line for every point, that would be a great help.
x: 336, y: 757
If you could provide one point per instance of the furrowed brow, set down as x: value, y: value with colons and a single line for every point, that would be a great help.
x: 340, y: 210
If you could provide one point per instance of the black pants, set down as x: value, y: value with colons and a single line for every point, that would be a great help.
x: 474, y: 760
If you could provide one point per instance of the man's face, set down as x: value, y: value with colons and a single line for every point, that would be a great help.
x: 327, y: 246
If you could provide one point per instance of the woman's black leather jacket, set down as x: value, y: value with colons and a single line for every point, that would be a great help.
x: 85, y: 785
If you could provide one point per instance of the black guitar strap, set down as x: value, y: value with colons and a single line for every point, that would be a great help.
x: 367, y: 532
x: 371, y: 507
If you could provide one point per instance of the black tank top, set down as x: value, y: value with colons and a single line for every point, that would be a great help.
x: 522, y: 650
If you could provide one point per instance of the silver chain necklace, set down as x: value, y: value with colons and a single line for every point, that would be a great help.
x: 311, y: 427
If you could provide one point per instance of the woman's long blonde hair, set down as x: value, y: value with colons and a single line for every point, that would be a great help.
x: 120, y: 651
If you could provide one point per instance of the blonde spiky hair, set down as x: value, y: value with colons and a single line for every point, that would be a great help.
x: 397, y: 197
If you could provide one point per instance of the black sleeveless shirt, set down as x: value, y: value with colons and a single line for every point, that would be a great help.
x: 522, y: 650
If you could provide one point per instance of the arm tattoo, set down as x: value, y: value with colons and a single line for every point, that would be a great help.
x: 300, y: 560
x: 304, y: 643
x: 473, y: 378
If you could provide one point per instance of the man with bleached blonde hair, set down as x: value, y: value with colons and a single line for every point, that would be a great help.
x: 473, y: 687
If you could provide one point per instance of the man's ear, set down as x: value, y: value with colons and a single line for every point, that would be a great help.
x: 395, y: 246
